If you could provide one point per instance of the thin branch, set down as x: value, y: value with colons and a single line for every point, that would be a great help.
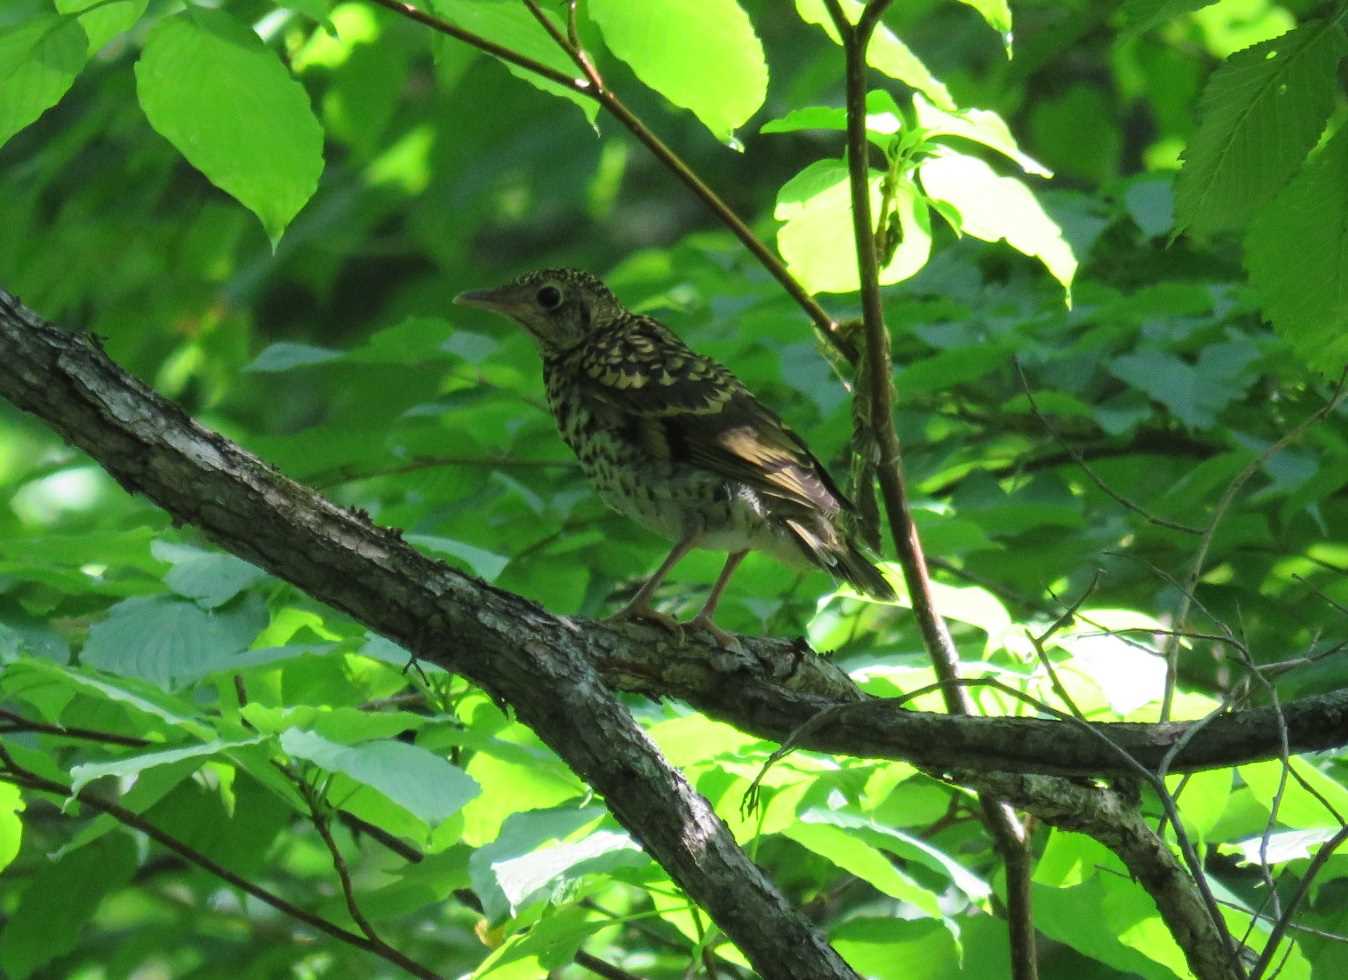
x: 1275, y: 935
x: 18, y: 775
x: 322, y: 821
x: 1006, y: 828
x: 22, y: 724
x: 592, y: 87
x: 1086, y: 467
x: 1233, y: 488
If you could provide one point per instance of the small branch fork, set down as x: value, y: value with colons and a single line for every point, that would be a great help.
x: 591, y: 86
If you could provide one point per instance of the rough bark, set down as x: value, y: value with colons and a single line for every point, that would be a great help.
x: 559, y: 673
x: 510, y: 647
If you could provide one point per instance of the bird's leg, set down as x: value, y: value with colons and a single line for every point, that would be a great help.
x: 703, y: 619
x: 640, y: 606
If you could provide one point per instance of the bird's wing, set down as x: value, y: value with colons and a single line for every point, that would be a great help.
x: 689, y: 408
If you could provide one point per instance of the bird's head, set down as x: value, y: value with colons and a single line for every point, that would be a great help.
x: 559, y: 307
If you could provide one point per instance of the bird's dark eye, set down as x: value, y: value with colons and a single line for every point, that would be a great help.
x: 549, y: 297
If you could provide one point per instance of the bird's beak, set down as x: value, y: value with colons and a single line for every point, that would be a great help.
x: 502, y: 299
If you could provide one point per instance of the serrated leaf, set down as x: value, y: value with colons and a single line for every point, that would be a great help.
x: 993, y: 208
x: 39, y: 59
x: 511, y: 25
x: 886, y: 52
x: 212, y: 88
x: 522, y: 834
x: 980, y: 125
x: 717, y: 70
x: 420, y: 782
x: 137, y: 695
x: 1260, y: 113
x: 1303, y: 290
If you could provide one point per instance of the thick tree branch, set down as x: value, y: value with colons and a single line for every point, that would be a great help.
x: 546, y: 665
x: 509, y: 647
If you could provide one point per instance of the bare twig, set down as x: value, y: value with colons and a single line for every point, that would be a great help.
x: 1219, y: 512
x: 1086, y: 467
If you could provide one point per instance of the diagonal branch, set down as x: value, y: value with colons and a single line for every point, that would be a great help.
x: 511, y: 648
x: 592, y: 86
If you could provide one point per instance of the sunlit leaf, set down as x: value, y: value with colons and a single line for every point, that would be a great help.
x: 211, y: 88
x: 39, y: 59
x: 994, y: 208
x: 717, y: 69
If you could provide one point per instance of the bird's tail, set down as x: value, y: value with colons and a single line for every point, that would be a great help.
x: 842, y: 559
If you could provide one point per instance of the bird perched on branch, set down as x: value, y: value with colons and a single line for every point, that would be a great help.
x: 674, y: 441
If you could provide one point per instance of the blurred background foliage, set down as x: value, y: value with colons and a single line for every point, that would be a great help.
x: 336, y: 355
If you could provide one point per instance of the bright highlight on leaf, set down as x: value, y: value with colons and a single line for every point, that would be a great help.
x: 39, y: 60
x: 994, y: 208
x: 817, y: 239
x: 1261, y: 112
x: 716, y: 69
x: 211, y: 88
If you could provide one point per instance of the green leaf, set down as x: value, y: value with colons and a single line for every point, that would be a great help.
x: 511, y: 25
x: 162, y: 639
x: 866, y: 862
x: 1142, y: 15
x: 1312, y: 801
x: 886, y: 52
x: 11, y: 827
x: 1195, y: 393
x: 209, y: 579
x: 485, y: 564
x: 1261, y: 112
x: 39, y: 59
x: 717, y: 68
x: 212, y: 88
x: 285, y: 355
x: 895, y: 949
x: 522, y: 835
x: 59, y: 899
x: 1304, y: 290
x: 817, y: 239
x: 993, y: 208
x: 129, y: 692
x: 133, y: 765
x: 883, y: 118
x: 903, y: 845
x: 106, y: 20
x: 982, y: 126
x: 420, y: 782
x: 997, y: 13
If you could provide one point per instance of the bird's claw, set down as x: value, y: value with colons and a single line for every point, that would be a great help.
x: 646, y: 614
x: 728, y: 640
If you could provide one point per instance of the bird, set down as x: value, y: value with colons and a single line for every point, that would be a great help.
x: 673, y: 440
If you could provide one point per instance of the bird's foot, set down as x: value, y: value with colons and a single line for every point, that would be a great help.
x: 727, y: 640
x: 643, y: 613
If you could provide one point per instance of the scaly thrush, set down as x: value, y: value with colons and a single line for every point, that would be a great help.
x: 674, y: 441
